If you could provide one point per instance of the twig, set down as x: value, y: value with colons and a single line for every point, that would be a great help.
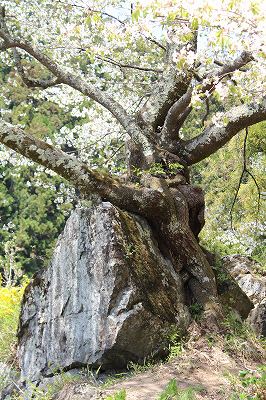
x: 152, y: 40
x: 89, y: 145
x: 118, y: 64
x: 139, y: 101
x: 245, y: 170
x: 114, y: 153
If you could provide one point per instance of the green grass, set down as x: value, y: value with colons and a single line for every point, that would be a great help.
x: 112, y: 379
x: 136, y: 368
x: 121, y: 395
x: 173, y: 392
x: 249, y: 384
x: 176, y: 345
x: 239, y: 337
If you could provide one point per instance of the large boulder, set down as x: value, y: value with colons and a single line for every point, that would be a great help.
x: 257, y: 318
x: 244, y: 270
x: 108, y: 297
x: 230, y: 293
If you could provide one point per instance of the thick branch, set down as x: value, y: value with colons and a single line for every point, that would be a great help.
x: 172, y: 85
x: 175, y: 117
x: 244, y: 58
x: 215, y: 136
x: 165, y: 91
x: 145, y: 201
x: 175, y: 113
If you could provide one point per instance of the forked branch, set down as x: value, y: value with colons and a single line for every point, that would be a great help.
x: 174, y: 117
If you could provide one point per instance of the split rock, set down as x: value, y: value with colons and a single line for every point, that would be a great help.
x: 107, y: 298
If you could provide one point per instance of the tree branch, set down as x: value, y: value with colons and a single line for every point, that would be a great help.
x: 174, y: 117
x: 215, y: 136
x: 152, y: 40
x: 76, y: 82
x: 89, y: 9
x: 8, y: 43
x: 144, y: 201
x: 166, y: 91
x: 103, y: 13
x: 3, y: 27
x: 175, y: 114
x: 121, y: 65
x: 244, y: 58
x: 30, y: 82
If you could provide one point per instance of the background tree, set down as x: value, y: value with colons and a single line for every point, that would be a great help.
x: 241, y: 228
x: 190, y: 55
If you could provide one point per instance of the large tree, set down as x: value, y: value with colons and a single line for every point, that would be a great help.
x: 153, y: 67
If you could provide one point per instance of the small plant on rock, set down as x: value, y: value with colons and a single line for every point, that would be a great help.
x: 196, y: 311
x: 176, y: 345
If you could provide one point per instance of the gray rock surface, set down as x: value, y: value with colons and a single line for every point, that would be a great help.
x: 243, y: 269
x: 79, y: 391
x: 230, y: 293
x: 8, y: 380
x: 6, y: 375
x: 257, y: 318
x: 108, y: 297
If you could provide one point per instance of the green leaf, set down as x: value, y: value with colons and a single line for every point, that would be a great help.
x: 136, y: 14
x: 195, y: 23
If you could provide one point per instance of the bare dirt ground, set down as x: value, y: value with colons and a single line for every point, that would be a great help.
x: 202, y: 364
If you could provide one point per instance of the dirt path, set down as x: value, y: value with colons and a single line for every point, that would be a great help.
x: 203, y: 369
x: 201, y: 365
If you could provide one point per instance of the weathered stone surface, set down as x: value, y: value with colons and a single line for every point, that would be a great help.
x: 243, y: 270
x: 231, y: 294
x: 257, y: 318
x: 108, y: 297
x: 5, y: 372
x: 6, y: 375
x: 79, y: 391
x: 8, y: 380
